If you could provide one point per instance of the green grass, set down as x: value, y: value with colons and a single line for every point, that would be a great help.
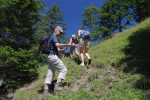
x: 123, y: 70
x: 74, y: 73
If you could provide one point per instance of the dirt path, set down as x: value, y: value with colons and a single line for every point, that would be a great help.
x: 112, y: 77
x: 75, y: 86
x: 109, y: 72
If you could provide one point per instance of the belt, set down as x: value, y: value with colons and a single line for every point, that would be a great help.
x: 52, y: 52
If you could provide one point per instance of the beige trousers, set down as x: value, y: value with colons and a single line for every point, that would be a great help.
x: 55, y: 63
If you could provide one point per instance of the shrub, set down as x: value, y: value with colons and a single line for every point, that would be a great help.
x: 17, y: 67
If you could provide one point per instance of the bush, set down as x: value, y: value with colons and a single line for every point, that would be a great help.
x: 17, y: 67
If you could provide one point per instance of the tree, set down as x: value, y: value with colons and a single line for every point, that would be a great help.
x: 42, y: 26
x: 90, y: 19
x: 141, y: 9
x: 55, y: 17
x: 106, y: 20
x: 117, y: 14
x: 17, y: 20
x: 49, y: 21
x: 17, y: 30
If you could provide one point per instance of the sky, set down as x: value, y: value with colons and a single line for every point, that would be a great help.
x: 72, y: 12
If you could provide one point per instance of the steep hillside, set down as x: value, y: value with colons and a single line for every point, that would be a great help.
x: 120, y: 71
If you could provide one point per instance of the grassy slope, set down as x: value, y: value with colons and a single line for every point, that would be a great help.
x: 123, y: 70
x: 129, y: 54
x: 74, y: 73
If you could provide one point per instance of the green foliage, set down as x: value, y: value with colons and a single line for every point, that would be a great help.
x: 17, y: 19
x: 49, y: 21
x: 42, y: 26
x: 18, y: 64
x: 120, y: 13
x: 115, y: 15
x: 17, y: 67
x: 90, y: 19
x: 141, y: 9
x: 55, y: 16
x: 74, y: 73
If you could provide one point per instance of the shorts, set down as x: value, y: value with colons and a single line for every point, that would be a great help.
x: 84, y: 43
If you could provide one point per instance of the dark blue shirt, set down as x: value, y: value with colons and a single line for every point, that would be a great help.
x: 53, y: 41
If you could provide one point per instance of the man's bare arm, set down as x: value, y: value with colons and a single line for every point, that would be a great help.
x: 78, y: 34
x: 62, y: 45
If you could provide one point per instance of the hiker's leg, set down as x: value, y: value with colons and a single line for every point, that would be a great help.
x: 50, y: 73
x: 81, y: 47
x: 87, y: 45
x: 77, y: 51
x: 81, y: 54
x: 86, y: 52
x: 61, y: 68
x: 62, y: 72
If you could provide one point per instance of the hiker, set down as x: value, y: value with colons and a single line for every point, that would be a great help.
x: 67, y: 53
x: 84, y: 44
x: 74, y: 42
x: 54, y: 61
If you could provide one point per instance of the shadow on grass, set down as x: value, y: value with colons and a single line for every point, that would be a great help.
x: 138, y: 58
x: 138, y: 52
x: 6, y: 89
x: 144, y: 85
x: 76, y: 59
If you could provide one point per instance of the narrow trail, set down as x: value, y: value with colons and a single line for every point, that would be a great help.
x: 76, y: 85
x: 112, y: 77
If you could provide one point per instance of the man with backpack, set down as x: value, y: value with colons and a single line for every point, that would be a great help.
x: 54, y: 61
x: 84, y: 44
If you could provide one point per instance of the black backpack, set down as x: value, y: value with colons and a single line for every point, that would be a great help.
x: 44, y: 44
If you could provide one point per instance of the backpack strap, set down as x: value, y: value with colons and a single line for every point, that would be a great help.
x: 49, y: 35
x: 85, y: 35
x: 82, y: 33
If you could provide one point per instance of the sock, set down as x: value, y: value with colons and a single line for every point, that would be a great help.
x: 46, y: 87
x: 58, y: 80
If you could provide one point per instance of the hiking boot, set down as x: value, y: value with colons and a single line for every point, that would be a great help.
x: 58, y: 87
x: 82, y: 64
x: 89, y: 61
x: 45, y: 92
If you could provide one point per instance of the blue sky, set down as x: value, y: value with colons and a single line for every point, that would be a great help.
x: 72, y: 11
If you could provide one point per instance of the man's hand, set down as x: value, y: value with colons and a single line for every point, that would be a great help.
x: 74, y: 45
x: 61, y: 49
x: 68, y: 45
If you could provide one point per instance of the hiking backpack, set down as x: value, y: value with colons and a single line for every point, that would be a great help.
x: 75, y: 41
x: 85, y: 35
x: 44, y: 44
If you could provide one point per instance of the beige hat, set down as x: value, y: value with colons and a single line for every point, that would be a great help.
x: 59, y: 28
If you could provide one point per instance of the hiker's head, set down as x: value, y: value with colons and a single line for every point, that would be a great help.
x: 73, y: 36
x: 59, y: 30
x: 82, y: 28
